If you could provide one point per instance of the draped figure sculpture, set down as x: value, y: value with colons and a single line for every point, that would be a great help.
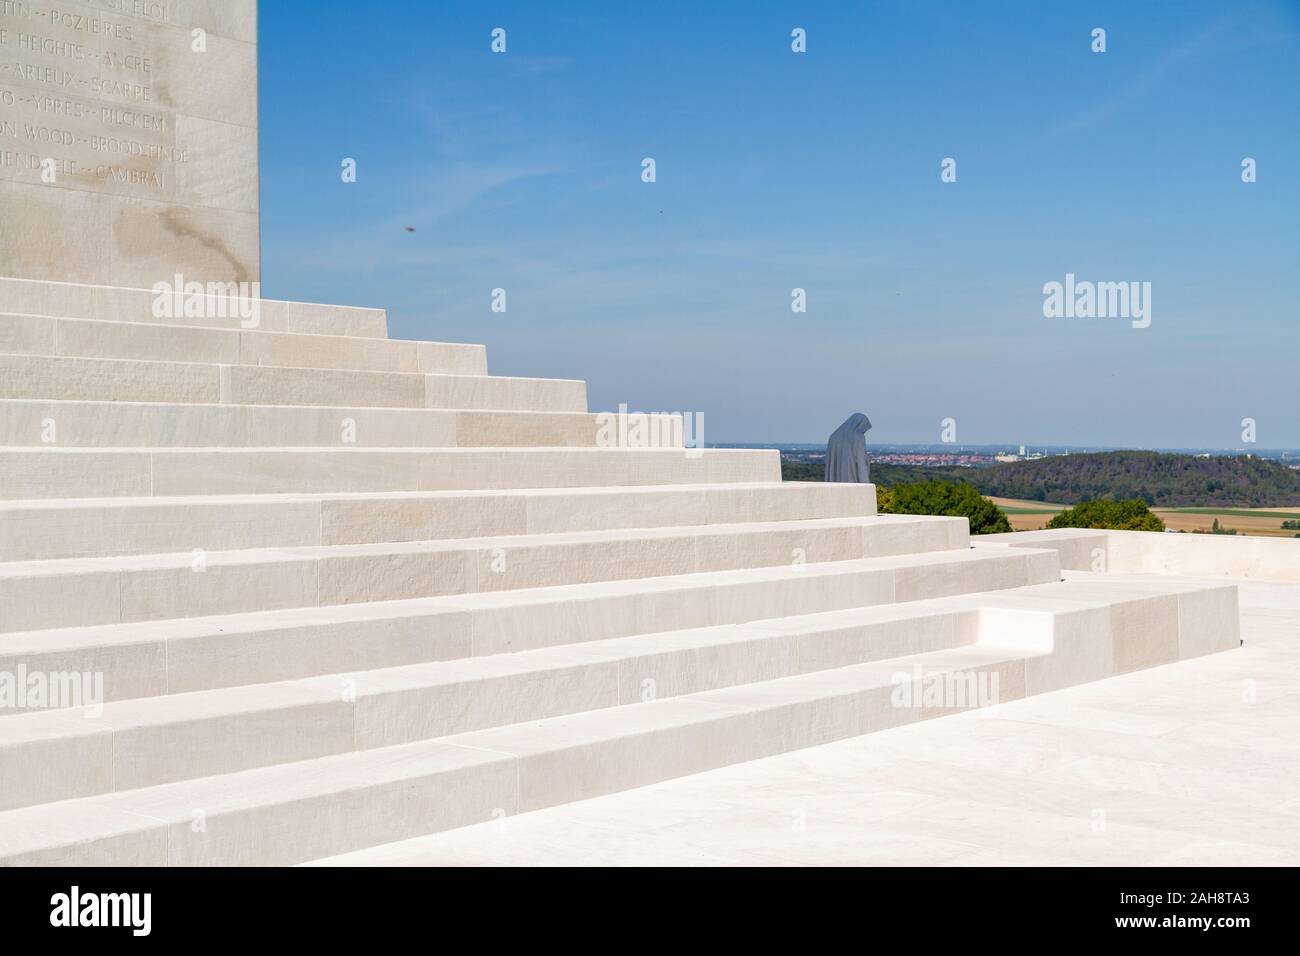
x: 846, y: 451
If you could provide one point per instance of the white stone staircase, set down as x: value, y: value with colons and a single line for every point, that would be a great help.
x: 310, y: 645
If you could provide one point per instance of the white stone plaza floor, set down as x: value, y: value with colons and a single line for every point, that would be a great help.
x: 1191, y: 763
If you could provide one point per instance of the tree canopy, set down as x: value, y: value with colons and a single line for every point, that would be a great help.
x: 1161, y: 480
x: 1132, y: 515
x: 939, y: 497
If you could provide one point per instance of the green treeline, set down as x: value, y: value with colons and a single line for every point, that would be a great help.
x: 1161, y: 480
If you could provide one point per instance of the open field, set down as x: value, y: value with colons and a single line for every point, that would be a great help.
x: 1260, y: 521
x: 1027, y: 515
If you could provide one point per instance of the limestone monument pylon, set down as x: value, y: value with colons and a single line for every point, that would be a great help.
x: 129, y: 141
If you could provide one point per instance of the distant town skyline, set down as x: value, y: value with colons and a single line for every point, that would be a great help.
x: 919, y: 454
x: 1023, y: 448
x: 820, y: 171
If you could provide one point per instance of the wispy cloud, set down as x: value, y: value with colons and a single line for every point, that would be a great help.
x: 1143, y: 83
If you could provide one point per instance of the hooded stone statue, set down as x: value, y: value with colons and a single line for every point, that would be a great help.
x: 846, y: 451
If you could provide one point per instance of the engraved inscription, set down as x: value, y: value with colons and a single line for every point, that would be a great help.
x: 128, y: 150
x: 78, y: 101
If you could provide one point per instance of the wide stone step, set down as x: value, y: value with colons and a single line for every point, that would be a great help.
x: 106, y: 527
x: 297, y: 812
x: 114, y: 304
x: 146, y: 742
x: 45, y: 473
x: 154, y: 342
x: 87, y: 591
x: 308, y: 809
x: 174, y: 425
x: 179, y: 656
x: 1077, y: 633
x: 135, y: 380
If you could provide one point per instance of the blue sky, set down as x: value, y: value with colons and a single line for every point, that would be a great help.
x: 819, y: 171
